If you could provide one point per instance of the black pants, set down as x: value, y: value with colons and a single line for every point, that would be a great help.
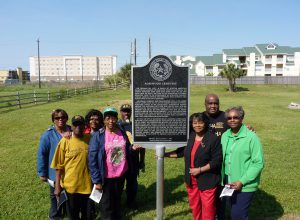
x: 221, y: 204
x: 131, y: 188
x: 79, y: 206
x: 111, y: 198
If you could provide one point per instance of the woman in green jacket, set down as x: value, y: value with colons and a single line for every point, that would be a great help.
x: 242, y: 162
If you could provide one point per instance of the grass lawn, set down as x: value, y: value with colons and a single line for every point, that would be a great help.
x: 23, y: 196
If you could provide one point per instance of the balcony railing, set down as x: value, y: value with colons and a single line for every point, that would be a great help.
x: 279, y: 60
x: 268, y: 60
x: 268, y: 70
x: 279, y: 70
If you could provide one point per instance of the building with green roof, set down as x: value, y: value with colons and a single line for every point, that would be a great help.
x: 260, y: 60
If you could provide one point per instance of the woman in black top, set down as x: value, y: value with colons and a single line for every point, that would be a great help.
x: 203, y: 159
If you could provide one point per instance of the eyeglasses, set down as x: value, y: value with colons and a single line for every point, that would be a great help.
x: 62, y: 118
x: 233, y: 118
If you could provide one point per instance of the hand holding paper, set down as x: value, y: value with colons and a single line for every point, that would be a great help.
x: 227, y: 191
x: 96, y: 194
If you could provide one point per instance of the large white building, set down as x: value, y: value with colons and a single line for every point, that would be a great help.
x: 260, y: 60
x: 72, y: 68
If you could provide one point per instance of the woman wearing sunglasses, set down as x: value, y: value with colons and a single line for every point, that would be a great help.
x: 242, y: 162
x: 47, y: 147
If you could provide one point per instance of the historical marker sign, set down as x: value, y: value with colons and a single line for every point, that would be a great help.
x: 160, y: 97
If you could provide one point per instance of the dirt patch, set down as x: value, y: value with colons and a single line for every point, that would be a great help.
x: 290, y: 217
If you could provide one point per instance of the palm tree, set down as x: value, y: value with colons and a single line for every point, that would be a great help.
x: 231, y: 72
x: 125, y: 73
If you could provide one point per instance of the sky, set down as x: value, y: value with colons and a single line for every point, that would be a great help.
x: 104, y: 28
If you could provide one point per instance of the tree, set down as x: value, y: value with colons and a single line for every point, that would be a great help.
x: 122, y: 76
x: 231, y: 72
x: 125, y: 73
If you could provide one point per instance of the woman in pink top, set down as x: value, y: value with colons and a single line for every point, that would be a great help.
x: 109, y: 151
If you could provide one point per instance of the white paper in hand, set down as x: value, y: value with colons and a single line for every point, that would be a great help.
x: 227, y: 191
x: 50, y: 182
x: 96, y: 194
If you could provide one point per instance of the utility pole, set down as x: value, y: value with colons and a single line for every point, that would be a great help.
x: 149, y: 48
x: 135, y: 51
x: 131, y: 53
x: 39, y: 66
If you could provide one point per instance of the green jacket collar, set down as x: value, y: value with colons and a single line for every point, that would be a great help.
x: 242, y: 132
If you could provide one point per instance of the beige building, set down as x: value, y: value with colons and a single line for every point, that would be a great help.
x: 4, y: 75
x: 72, y: 68
x: 13, y: 76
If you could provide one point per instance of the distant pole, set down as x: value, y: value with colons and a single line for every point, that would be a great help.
x: 134, y: 51
x: 149, y: 48
x: 39, y: 66
x: 131, y: 53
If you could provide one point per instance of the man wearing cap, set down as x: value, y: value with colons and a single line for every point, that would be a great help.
x: 137, y: 157
x: 72, y: 173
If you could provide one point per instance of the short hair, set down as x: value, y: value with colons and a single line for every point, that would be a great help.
x: 211, y: 95
x: 238, y: 109
x: 57, y: 111
x: 199, y: 117
x: 91, y: 113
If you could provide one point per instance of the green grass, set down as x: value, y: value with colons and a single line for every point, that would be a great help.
x: 23, y: 196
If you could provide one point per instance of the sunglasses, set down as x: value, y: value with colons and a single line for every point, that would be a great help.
x: 62, y: 118
x: 233, y: 118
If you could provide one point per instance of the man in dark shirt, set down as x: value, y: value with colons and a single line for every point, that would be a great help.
x: 218, y: 125
x: 137, y: 158
x: 217, y: 119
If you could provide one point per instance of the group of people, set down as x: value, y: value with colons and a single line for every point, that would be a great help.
x: 221, y: 150
x: 98, y: 150
x: 95, y: 150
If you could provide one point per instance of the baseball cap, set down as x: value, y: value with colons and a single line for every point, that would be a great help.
x: 125, y: 106
x: 110, y: 110
x: 77, y: 120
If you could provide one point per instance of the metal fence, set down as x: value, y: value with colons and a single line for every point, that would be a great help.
x: 22, y: 99
x: 269, y: 80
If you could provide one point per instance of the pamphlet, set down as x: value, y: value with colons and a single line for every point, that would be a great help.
x: 62, y: 198
x: 50, y: 182
x: 96, y: 194
x: 227, y: 191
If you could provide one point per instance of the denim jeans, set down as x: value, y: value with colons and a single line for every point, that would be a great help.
x: 54, y: 214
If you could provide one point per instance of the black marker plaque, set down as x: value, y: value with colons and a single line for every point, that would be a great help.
x: 160, y: 97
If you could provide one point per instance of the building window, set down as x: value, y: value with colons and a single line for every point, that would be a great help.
x: 268, y: 67
x: 271, y: 47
